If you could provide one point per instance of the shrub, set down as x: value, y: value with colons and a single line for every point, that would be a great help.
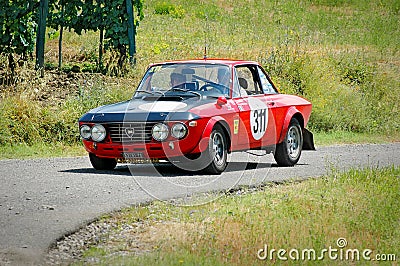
x: 165, y: 8
x: 24, y: 120
x: 346, y: 92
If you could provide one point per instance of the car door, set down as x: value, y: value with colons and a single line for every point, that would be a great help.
x: 274, y: 101
x: 257, y: 127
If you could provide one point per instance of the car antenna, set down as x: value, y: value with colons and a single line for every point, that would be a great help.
x: 205, y: 37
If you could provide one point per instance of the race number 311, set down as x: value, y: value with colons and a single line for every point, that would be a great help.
x: 258, y: 123
x: 258, y: 118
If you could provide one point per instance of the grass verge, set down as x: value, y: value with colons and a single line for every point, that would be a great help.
x: 343, y: 56
x: 360, y: 206
x: 40, y: 150
x: 348, y: 137
x: 59, y: 149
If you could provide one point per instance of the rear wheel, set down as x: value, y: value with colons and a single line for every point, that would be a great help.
x: 288, y: 152
x: 102, y: 163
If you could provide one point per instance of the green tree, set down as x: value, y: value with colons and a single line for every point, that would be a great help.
x: 109, y: 17
x: 64, y: 14
x: 17, y: 30
x: 112, y: 18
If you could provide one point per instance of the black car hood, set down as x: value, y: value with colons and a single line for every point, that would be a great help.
x: 160, y: 109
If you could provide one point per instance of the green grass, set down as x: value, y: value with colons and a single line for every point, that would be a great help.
x: 59, y: 149
x: 348, y: 137
x: 40, y: 150
x: 360, y: 206
x: 341, y: 55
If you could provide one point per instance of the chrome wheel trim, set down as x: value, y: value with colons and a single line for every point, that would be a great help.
x: 218, y: 148
x: 293, y: 143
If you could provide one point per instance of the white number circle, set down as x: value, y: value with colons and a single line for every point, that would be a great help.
x: 258, y: 118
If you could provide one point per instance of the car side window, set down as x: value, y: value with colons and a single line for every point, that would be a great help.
x: 248, y: 79
x: 267, y: 86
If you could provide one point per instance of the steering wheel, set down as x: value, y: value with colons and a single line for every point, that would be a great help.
x: 213, y: 86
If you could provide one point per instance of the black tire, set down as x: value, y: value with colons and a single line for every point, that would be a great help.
x: 102, y: 163
x: 217, y: 152
x: 212, y: 161
x: 288, y: 152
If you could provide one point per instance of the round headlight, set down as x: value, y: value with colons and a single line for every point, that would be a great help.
x: 160, y: 132
x: 98, y: 133
x: 179, y: 130
x: 85, y: 132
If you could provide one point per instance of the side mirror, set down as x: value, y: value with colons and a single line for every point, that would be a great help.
x: 221, y: 101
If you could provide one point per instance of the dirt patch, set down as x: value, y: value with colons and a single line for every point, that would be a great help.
x: 52, y: 89
x: 111, y: 236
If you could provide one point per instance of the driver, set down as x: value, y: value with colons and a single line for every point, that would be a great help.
x: 223, y: 77
x: 177, y: 79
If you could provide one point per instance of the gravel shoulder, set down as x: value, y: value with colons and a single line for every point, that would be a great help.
x: 43, y: 200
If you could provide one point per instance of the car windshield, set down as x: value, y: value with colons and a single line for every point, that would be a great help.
x: 185, y: 80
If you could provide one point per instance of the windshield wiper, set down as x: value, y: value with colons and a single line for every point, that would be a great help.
x: 185, y: 90
x: 151, y: 92
x: 217, y: 96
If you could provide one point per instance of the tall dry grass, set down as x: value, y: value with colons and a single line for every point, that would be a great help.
x: 341, y: 55
x: 359, y: 206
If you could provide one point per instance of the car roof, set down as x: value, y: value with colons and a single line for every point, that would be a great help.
x: 230, y: 62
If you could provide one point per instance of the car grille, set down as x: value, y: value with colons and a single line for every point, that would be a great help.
x: 130, y: 132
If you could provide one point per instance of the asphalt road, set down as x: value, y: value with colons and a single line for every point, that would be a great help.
x: 41, y: 200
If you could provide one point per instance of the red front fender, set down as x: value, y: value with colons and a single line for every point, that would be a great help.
x: 203, y: 143
x: 292, y: 111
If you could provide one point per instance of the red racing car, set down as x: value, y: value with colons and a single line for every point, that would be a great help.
x: 193, y: 113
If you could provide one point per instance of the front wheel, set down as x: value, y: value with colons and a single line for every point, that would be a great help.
x: 217, y: 152
x: 213, y: 160
x: 288, y: 152
x: 102, y: 163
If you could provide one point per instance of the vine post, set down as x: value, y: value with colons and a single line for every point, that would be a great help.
x: 41, y: 35
x: 131, y: 31
x: 100, y: 62
x: 61, y: 36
